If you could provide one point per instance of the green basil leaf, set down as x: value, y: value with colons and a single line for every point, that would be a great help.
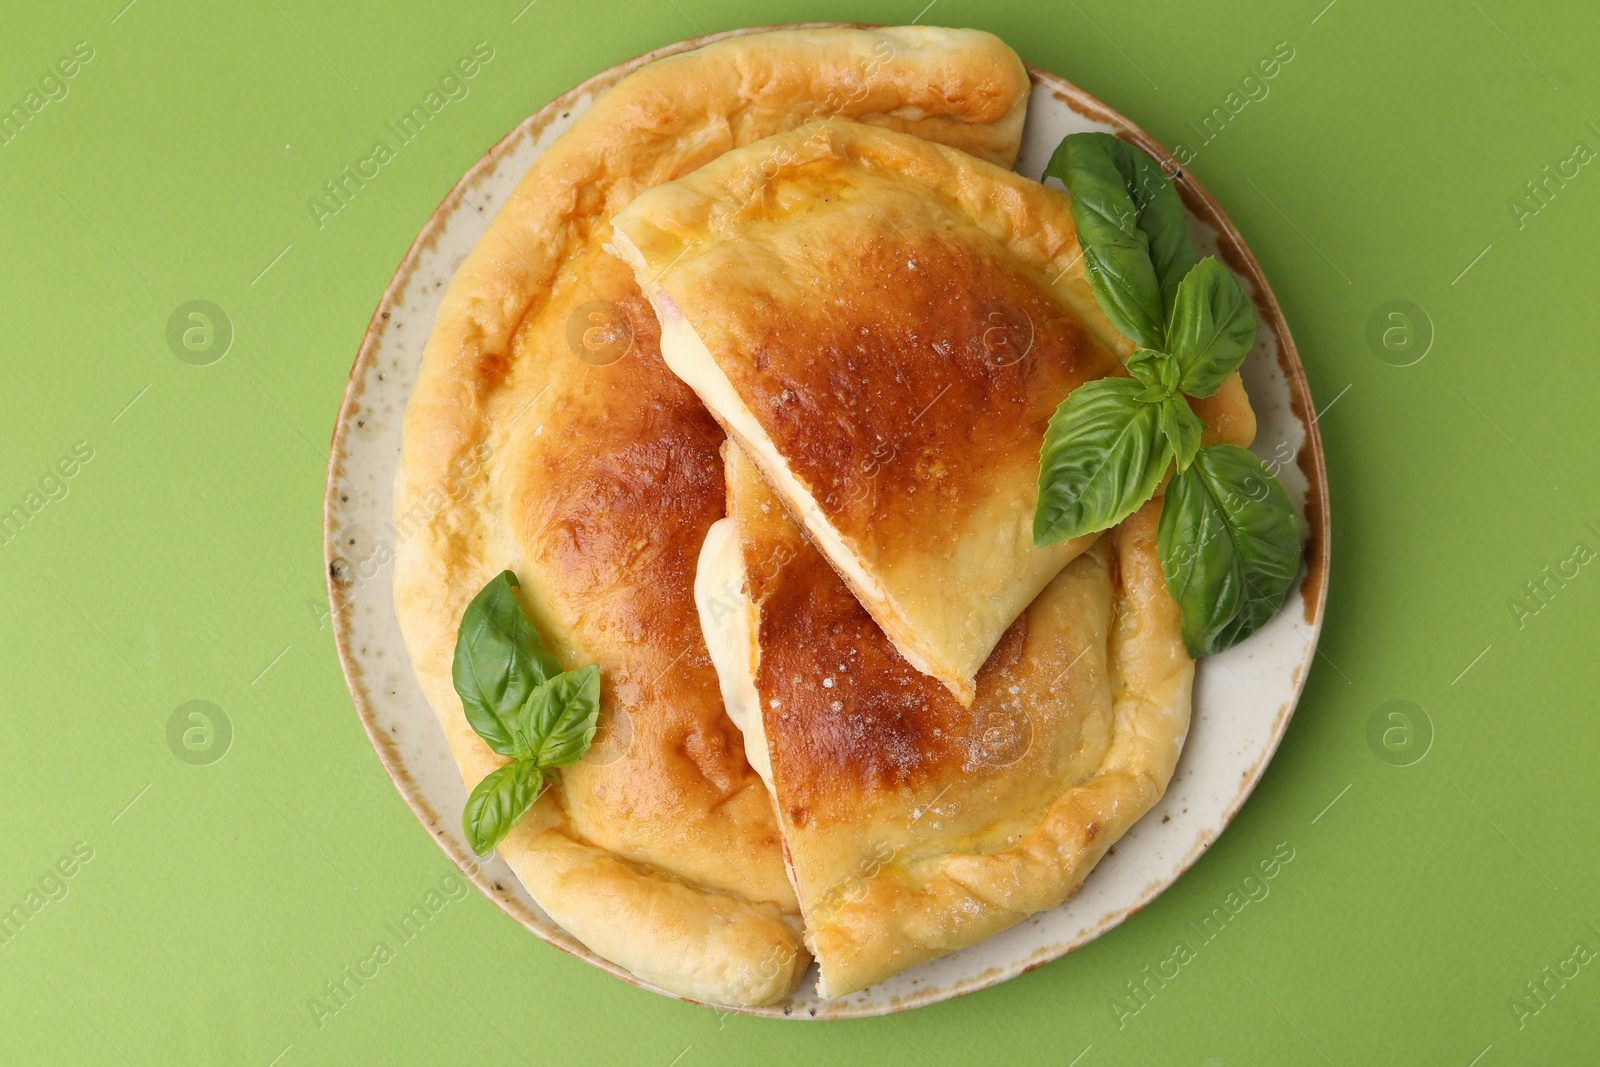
x: 497, y: 802
x: 1182, y: 428
x: 1103, y: 457
x: 1156, y: 371
x: 499, y: 661
x: 1230, y: 547
x: 557, y: 725
x: 1212, y: 327
x: 1131, y: 227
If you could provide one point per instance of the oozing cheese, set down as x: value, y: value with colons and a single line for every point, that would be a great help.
x: 728, y: 620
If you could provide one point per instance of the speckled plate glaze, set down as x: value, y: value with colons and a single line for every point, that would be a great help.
x: 1243, y: 698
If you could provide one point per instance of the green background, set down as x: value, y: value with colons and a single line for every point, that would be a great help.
x: 184, y: 561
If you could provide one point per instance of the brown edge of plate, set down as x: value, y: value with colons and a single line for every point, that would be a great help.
x: 1314, y: 588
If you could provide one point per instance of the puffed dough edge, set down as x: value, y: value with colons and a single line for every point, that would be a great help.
x: 692, y: 942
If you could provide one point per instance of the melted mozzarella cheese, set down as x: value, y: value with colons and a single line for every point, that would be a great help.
x: 728, y: 620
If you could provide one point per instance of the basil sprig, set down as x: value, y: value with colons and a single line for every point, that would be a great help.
x: 517, y: 698
x: 1228, y: 538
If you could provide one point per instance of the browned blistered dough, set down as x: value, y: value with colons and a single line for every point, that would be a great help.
x: 885, y: 326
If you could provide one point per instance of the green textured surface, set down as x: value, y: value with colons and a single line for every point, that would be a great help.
x: 185, y: 555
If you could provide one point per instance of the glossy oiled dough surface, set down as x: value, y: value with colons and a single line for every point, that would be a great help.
x: 887, y: 327
x: 596, y: 484
x: 915, y: 825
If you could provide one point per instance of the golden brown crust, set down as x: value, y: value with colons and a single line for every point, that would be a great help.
x: 886, y: 327
x: 915, y: 826
x: 596, y: 484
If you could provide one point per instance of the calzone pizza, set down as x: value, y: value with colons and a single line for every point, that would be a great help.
x: 914, y: 826
x: 885, y: 326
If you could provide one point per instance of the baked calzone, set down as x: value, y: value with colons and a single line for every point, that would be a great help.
x: 885, y: 327
x: 915, y: 826
x: 546, y: 435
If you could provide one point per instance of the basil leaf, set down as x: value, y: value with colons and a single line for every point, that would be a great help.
x: 1103, y: 456
x: 497, y: 802
x: 1230, y: 547
x: 556, y: 726
x: 1131, y: 227
x: 499, y: 661
x: 1156, y: 371
x: 1212, y: 327
x: 1182, y: 428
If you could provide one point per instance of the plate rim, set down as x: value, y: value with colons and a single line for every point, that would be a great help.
x: 1310, y: 460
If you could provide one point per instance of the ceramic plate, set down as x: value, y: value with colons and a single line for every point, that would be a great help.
x: 1243, y: 698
